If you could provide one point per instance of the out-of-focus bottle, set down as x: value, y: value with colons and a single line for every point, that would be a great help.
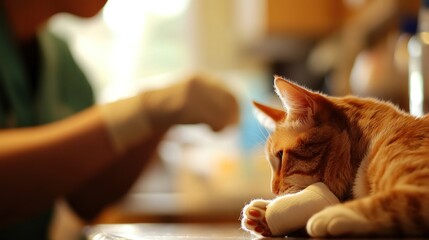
x: 418, y: 48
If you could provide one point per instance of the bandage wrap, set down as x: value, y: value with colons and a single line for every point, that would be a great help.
x: 291, y: 212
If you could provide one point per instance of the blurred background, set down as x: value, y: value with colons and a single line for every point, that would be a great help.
x: 339, y: 47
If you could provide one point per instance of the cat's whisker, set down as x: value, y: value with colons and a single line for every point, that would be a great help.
x: 263, y: 132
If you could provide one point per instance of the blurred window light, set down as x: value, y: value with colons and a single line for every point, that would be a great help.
x: 416, y: 94
x: 416, y: 88
x: 141, y: 42
x: 127, y: 15
x: 414, y: 47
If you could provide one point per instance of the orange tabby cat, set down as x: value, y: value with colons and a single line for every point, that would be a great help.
x: 372, y: 156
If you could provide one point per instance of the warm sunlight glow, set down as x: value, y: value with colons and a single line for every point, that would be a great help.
x: 416, y: 94
x: 130, y: 15
x: 424, y: 37
x: 415, y: 77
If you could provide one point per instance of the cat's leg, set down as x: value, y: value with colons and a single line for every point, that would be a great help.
x: 253, y: 218
x: 336, y: 221
x: 288, y: 213
x: 402, y: 211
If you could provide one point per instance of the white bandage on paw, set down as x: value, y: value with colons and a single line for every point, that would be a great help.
x: 291, y: 212
x: 126, y: 122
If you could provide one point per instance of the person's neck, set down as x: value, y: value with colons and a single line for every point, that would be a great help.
x: 26, y: 17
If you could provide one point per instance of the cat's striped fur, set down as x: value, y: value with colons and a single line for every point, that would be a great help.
x: 373, y: 156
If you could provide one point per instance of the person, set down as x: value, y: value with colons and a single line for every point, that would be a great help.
x: 55, y: 143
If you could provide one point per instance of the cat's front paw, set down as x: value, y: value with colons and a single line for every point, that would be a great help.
x: 338, y: 220
x: 253, y: 219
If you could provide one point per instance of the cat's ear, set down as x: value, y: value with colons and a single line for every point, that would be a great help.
x: 298, y: 101
x: 268, y: 116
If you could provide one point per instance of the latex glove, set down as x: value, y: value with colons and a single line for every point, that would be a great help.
x: 288, y: 213
x: 193, y: 100
x: 198, y: 99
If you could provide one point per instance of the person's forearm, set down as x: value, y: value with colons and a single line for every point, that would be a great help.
x: 39, y: 164
x: 110, y: 185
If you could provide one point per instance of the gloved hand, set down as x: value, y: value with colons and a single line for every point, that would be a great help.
x: 196, y: 99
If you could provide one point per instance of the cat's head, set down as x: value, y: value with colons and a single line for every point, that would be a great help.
x: 309, y: 140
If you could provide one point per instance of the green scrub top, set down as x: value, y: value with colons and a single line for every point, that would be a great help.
x: 62, y: 91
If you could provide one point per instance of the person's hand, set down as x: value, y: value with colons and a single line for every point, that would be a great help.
x: 196, y: 99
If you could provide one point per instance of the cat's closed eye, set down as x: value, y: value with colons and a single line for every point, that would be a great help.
x: 279, y: 155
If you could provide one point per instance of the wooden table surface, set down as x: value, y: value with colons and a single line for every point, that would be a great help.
x: 167, y: 231
x: 145, y: 231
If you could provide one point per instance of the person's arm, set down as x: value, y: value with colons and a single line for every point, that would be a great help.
x: 38, y: 164
x: 114, y: 182
x: 192, y: 101
x: 67, y: 158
